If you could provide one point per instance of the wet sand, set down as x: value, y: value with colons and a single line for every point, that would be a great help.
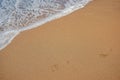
x: 84, y: 45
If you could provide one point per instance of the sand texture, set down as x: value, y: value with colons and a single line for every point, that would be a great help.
x: 84, y: 45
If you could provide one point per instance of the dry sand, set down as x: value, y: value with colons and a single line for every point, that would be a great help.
x: 82, y: 46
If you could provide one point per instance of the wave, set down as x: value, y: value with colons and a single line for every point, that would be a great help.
x: 20, y: 15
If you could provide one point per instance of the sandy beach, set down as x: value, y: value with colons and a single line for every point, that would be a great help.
x: 84, y: 45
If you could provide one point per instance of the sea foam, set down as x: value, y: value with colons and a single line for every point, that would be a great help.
x: 19, y: 15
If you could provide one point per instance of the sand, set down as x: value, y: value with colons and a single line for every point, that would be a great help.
x: 82, y: 46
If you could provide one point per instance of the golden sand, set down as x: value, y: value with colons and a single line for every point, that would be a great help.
x: 82, y: 46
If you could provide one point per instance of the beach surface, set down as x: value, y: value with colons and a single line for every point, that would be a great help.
x: 84, y: 45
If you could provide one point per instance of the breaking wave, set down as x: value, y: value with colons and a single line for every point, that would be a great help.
x: 19, y: 15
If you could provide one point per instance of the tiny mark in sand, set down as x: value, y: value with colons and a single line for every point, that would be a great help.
x: 54, y: 67
x: 104, y: 52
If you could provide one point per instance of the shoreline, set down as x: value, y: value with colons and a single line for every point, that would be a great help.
x: 37, y: 24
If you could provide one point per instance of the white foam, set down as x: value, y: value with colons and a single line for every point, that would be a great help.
x: 6, y: 38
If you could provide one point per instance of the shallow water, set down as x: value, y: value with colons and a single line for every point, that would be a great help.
x: 20, y: 15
